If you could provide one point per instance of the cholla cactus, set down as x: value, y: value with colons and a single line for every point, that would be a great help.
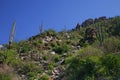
x: 12, y: 34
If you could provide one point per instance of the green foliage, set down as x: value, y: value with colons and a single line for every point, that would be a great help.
x: 25, y: 47
x: 90, y: 51
x: 49, y: 32
x: 45, y: 57
x: 94, y: 68
x: 91, y: 62
x: 56, y: 58
x: 44, y: 77
x: 111, y: 63
x: 116, y: 26
x: 2, y: 57
x: 5, y: 77
x: 81, y: 69
x: 51, y: 65
x: 29, y: 67
x: 112, y: 45
x: 63, y: 48
x: 37, y: 43
x: 12, y: 59
x: 100, y: 34
x: 31, y: 75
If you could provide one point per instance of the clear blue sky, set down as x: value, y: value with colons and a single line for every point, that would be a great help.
x: 55, y: 14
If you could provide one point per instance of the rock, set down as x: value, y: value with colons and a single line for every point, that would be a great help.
x: 53, y: 52
x: 49, y: 38
x: 90, y: 36
x: 100, y: 19
x: 53, y: 73
x: 60, y: 62
x: 2, y: 47
x: 67, y: 35
x: 78, y: 26
x: 65, y: 54
x: 44, y: 41
x: 87, y: 22
x: 56, y: 71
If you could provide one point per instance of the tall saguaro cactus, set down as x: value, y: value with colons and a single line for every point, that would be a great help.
x: 100, y: 34
x: 41, y: 28
x: 12, y: 34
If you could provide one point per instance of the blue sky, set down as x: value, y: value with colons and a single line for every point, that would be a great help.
x: 55, y: 14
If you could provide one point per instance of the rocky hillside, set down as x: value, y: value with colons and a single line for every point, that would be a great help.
x: 90, y: 51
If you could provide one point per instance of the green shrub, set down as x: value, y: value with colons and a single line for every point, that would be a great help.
x: 105, y: 67
x: 37, y: 43
x: 90, y: 51
x: 12, y: 58
x: 25, y: 47
x: 112, y: 45
x: 51, y: 66
x: 5, y: 77
x: 49, y: 32
x: 56, y: 58
x: 111, y: 62
x: 31, y: 75
x: 29, y: 67
x: 81, y: 69
x: 45, y: 57
x: 44, y: 77
x: 2, y: 57
x: 63, y: 48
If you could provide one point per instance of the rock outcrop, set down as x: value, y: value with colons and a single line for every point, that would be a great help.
x: 78, y: 26
x: 90, y: 36
x: 87, y: 22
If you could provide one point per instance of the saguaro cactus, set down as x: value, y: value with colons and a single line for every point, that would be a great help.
x: 12, y: 34
x: 41, y: 28
x: 100, y: 34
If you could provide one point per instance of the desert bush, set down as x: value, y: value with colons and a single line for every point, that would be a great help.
x: 50, y: 65
x: 44, y: 77
x: 111, y: 45
x: 12, y: 59
x: 56, y: 58
x: 29, y: 67
x: 111, y: 63
x: 81, y: 69
x: 90, y: 51
x: 37, y: 43
x: 5, y: 77
x: 49, y: 32
x: 2, y: 57
x: 63, y: 48
x: 105, y: 67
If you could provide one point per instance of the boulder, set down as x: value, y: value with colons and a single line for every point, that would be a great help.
x: 53, y: 52
x: 90, y: 36
x: 78, y: 26
x: 87, y: 22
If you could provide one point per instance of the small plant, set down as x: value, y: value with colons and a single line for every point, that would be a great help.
x: 2, y: 57
x: 5, y: 77
x: 111, y: 45
x: 45, y: 58
x: 51, y: 65
x: 61, y: 49
x: 44, y: 77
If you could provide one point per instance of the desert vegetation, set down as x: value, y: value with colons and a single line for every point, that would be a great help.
x: 90, y: 51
